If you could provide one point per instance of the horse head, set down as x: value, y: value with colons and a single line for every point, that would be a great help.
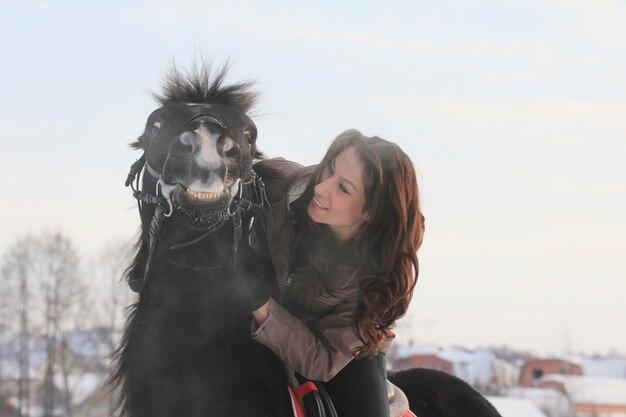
x: 200, y: 143
x: 200, y: 153
x: 198, y: 147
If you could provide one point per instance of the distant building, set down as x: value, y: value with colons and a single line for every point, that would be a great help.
x: 424, y: 360
x: 84, y: 355
x: 474, y: 367
x: 6, y: 409
x: 590, y: 395
x: 9, y: 388
x: 504, y: 375
x: 601, y: 366
x: 532, y: 371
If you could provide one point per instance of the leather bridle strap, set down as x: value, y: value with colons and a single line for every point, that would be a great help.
x: 133, y: 175
x: 135, y: 169
x: 238, y: 207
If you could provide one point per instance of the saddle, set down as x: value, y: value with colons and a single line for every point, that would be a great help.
x: 311, y: 399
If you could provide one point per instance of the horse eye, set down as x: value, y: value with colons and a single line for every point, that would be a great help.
x: 248, y: 136
x: 155, y: 128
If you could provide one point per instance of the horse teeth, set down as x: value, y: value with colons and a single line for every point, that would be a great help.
x: 205, y: 195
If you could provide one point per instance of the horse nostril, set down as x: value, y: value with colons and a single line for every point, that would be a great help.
x: 228, y: 145
x: 189, y: 139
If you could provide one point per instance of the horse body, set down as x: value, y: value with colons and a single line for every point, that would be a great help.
x: 433, y: 393
x: 189, y: 350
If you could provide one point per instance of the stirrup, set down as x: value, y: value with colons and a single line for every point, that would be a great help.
x: 314, y: 400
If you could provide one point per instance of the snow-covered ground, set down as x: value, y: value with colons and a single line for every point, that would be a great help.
x: 552, y: 402
x: 515, y: 407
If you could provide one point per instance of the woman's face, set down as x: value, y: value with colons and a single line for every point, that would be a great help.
x: 339, y: 198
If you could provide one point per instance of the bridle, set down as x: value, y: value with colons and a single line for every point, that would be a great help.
x: 250, y: 197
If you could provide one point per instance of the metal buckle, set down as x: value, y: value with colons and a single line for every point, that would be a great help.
x: 168, y: 198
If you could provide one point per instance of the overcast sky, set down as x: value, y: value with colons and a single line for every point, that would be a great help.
x: 513, y: 111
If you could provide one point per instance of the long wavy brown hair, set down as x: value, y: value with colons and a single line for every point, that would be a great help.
x: 383, y: 251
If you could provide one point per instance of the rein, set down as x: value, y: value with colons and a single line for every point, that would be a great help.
x: 238, y: 207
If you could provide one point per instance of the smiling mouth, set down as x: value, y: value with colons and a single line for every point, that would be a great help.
x: 319, y: 205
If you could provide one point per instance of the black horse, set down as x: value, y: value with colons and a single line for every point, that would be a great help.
x: 187, y: 349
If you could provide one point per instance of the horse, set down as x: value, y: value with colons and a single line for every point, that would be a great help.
x: 186, y: 349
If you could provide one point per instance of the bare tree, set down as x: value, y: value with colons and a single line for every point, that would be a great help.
x: 60, y: 291
x: 18, y: 274
x: 113, y: 295
x: 43, y: 285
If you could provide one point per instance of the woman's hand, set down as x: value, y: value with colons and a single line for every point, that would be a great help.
x: 262, y: 313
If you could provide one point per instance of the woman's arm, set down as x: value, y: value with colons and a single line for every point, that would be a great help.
x: 317, y: 353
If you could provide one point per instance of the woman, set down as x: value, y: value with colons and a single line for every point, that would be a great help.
x: 344, y: 254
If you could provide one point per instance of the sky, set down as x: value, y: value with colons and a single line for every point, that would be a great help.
x: 513, y: 112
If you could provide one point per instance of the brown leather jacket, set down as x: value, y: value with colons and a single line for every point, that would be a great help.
x: 319, y: 344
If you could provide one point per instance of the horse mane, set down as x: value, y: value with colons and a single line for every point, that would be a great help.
x: 199, y: 85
